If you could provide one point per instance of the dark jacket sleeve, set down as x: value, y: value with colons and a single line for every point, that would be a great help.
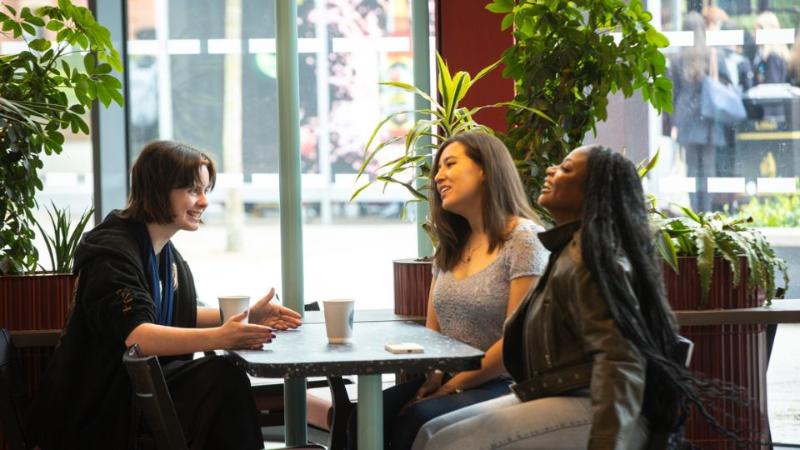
x: 618, y: 371
x: 115, y: 296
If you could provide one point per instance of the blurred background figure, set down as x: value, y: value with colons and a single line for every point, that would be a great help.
x: 794, y: 63
x: 735, y: 71
x: 771, y: 60
x: 698, y: 136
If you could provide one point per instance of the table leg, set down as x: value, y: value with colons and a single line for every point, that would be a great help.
x: 294, y: 411
x: 370, y: 412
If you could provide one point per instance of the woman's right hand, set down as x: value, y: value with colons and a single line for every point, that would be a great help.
x: 432, y: 384
x: 235, y: 335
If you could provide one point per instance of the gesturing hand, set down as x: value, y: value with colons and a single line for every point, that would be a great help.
x: 272, y: 315
x: 236, y: 335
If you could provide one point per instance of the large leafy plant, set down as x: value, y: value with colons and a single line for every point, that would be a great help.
x: 715, y: 234
x: 567, y: 57
x: 445, y: 118
x: 708, y: 235
x: 43, y: 92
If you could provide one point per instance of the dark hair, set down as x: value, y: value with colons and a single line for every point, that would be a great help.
x: 615, y: 221
x: 161, y: 167
x: 503, y: 196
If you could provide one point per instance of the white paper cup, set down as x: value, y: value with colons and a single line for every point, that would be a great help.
x: 339, y: 319
x: 231, y: 305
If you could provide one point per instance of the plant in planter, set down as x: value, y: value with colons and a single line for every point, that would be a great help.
x: 44, y: 90
x: 567, y: 57
x: 445, y: 118
x: 710, y: 236
x: 707, y: 258
x: 63, y: 241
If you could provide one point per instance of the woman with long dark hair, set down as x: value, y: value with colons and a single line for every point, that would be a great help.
x: 487, y: 259
x: 591, y: 347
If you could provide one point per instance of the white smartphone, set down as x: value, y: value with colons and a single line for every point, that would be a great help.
x: 404, y: 347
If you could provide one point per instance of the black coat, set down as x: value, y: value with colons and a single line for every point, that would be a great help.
x: 85, y: 399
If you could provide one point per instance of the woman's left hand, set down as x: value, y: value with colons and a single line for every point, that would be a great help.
x: 274, y: 316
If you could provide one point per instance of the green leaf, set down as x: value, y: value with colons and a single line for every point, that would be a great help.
x: 55, y: 25
x: 39, y: 45
x: 89, y: 63
x: 28, y: 28
x: 705, y: 263
x: 654, y: 37
x: 102, y: 69
x: 508, y: 20
x: 501, y: 6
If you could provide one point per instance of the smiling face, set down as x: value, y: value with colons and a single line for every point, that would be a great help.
x: 188, y: 203
x: 564, y: 185
x: 459, y: 180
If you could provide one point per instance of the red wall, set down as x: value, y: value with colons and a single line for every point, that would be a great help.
x: 469, y: 38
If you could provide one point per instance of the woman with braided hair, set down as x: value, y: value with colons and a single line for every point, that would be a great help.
x: 591, y: 347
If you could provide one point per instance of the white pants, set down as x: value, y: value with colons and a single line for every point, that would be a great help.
x: 550, y: 423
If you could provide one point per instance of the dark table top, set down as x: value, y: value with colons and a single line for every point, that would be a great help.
x: 305, y: 352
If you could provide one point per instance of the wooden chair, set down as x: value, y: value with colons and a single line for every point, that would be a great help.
x: 11, y: 397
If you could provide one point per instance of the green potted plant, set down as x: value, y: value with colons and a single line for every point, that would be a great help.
x: 411, y: 169
x: 445, y: 118
x: 715, y: 261
x: 63, y: 240
x: 44, y: 90
x: 568, y: 56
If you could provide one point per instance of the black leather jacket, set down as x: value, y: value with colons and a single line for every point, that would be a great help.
x: 562, y: 338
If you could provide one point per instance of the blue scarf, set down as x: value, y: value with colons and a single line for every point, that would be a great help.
x: 162, y: 271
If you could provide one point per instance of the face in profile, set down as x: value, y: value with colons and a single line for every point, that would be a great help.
x: 563, y: 190
x: 188, y: 203
x: 459, y: 180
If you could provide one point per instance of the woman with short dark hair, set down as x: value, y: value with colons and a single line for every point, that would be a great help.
x: 134, y: 287
x: 487, y: 258
x: 591, y: 347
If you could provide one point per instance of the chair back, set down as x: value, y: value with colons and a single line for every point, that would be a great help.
x: 154, y: 400
x: 10, y: 394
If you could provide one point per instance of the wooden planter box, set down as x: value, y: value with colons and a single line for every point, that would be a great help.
x: 412, y: 283
x: 34, y: 302
x: 736, y: 354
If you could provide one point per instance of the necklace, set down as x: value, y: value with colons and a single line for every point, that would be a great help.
x: 468, y: 258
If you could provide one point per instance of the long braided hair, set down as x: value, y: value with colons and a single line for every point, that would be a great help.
x: 615, y: 221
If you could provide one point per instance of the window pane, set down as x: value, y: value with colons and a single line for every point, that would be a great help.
x: 204, y: 72
x: 738, y: 58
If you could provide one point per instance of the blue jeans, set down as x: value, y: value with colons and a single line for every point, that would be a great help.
x: 550, y: 423
x: 401, y: 429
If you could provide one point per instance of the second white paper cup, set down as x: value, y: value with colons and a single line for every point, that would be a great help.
x: 231, y: 305
x: 339, y: 319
